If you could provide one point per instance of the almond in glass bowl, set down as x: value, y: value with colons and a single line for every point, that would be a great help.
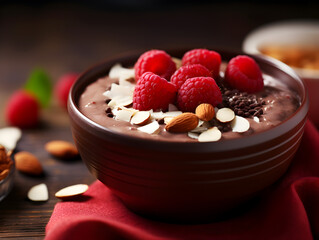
x: 7, y: 170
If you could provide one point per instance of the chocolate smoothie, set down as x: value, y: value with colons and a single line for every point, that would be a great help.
x: 276, y: 103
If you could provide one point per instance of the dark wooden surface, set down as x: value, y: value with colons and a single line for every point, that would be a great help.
x: 62, y: 38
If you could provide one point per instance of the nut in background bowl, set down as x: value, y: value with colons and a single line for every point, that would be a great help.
x: 295, y: 36
x: 187, y: 181
x: 6, y: 184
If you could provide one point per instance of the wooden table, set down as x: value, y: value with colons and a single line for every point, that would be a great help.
x: 63, y: 38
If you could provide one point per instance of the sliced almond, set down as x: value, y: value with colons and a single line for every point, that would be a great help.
x: 9, y: 137
x: 168, y: 119
x: 38, y: 193
x: 62, y: 149
x: 211, y: 135
x: 124, y: 115
x: 199, y: 129
x: 150, y: 128
x: 117, y: 71
x: 200, y: 123
x: 205, y: 112
x: 158, y: 115
x: 70, y: 192
x: 130, y: 109
x: 118, y: 91
x: 225, y: 115
x: 112, y: 103
x: 240, y: 124
x: 141, y: 118
x: 173, y: 113
x: 121, y: 101
x: 182, y: 123
x: 193, y: 135
x: 28, y: 163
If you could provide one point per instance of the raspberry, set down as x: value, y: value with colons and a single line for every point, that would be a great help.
x: 209, y: 59
x: 22, y: 110
x: 189, y: 71
x: 63, y: 86
x: 244, y: 74
x: 155, y: 61
x: 196, y: 91
x: 153, y: 92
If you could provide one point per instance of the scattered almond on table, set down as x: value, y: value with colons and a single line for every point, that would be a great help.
x: 39, y: 193
x: 62, y: 149
x: 28, y: 163
x: 69, y: 193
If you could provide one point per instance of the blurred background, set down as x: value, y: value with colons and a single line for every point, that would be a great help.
x: 70, y: 36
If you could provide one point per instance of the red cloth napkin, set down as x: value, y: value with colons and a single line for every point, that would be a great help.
x: 289, y: 211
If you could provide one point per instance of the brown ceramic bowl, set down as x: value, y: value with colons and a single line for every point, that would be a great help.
x: 187, y: 181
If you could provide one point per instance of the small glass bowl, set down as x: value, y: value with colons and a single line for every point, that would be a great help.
x: 7, y: 183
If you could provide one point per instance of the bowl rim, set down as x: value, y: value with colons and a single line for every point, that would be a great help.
x: 251, y: 42
x: 191, y: 147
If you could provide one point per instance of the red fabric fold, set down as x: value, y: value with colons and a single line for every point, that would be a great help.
x: 288, y: 210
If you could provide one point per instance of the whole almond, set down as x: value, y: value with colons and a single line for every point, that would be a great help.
x: 28, y: 163
x: 205, y: 112
x: 182, y: 123
x: 62, y: 149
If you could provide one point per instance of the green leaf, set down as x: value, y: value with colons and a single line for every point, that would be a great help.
x: 39, y: 83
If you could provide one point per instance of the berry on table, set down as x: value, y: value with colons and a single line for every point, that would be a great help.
x: 153, y: 92
x: 155, y: 61
x: 22, y: 110
x: 244, y: 74
x: 189, y: 71
x: 196, y: 91
x: 209, y: 59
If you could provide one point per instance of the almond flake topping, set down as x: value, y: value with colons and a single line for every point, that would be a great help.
x: 150, y: 128
x: 225, y: 115
x: 141, y: 117
x: 117, y: 71
x: 193, y: 135
x: 211, y: 135
x: 240, y: 124
x: 124, y: 115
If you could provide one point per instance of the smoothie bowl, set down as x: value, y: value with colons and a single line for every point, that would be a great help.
x: 180, y: 161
